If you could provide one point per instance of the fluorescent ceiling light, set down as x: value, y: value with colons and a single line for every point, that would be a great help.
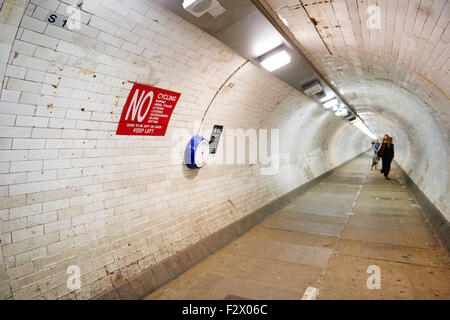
x: 200, y: 7
x: 327, y: 97
x: 343, y: 112
x: 330, y: 104
x: 275, y: 59
x: 187, y: 3
x: 329, y: 94
x: 364, y: 129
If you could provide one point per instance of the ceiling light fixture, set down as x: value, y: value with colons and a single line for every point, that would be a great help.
x: 321, y: 95
x: 331, y: 104
x: 275, y: 59
x: 329, y: 94
x: 200, y: 7
x: 343, y: 112
x: 312, y: 87
x: 364, y: 129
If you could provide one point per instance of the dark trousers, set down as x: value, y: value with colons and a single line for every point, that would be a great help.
x: 386, y: 166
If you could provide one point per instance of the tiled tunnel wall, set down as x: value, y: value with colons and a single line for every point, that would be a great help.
x: 421, y: 140
x: 394, y: 70
x: 74, y: 193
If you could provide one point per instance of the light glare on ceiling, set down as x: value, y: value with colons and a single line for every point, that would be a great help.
x: 275, y: 60
x: 285, y: 21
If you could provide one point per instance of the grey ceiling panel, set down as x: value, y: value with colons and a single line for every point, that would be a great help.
x: 245, y: 29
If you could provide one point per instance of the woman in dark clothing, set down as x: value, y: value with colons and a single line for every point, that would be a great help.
x: 387, y: 155
x: 380, y: 148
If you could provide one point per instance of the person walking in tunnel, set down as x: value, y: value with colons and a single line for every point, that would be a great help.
x: 387, y: 155
x: 380, y: 147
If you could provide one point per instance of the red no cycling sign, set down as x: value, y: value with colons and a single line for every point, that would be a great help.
x: 147, y: 111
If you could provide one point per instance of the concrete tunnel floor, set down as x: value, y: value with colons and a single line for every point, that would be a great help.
x: 327, y: 238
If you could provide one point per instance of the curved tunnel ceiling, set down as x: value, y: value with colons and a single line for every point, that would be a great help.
x: 248, y: 32
x: 393, y: 70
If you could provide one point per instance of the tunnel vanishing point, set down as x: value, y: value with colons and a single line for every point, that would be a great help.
x: 223, y: 149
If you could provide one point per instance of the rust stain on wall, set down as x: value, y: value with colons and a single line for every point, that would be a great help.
x: 431, y: 82
x: 87, y: 72
x: 6, y: 12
